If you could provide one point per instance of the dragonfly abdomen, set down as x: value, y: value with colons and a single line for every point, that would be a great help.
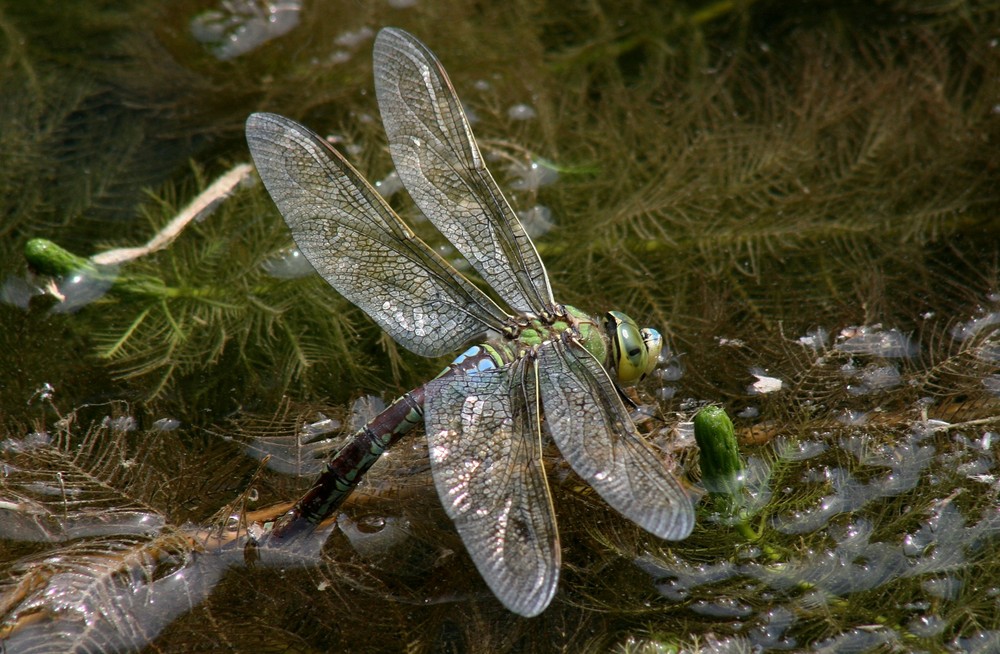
x: 345, y: 470
x: 477, y: 358
x: 348, y: 466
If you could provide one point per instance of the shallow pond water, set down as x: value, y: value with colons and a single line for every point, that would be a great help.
x: 803, y: 199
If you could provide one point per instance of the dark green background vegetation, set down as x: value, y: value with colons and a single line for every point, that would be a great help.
x: 737, y: 173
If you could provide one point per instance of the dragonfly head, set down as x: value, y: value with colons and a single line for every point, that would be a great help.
x: 634, y: 351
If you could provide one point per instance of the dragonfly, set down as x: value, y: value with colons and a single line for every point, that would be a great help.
x: 540, y: 369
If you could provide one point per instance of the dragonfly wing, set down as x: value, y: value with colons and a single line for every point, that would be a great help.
x: 439, y: 162
x: 361, y: 247
x: 485, y: 450
x: 595, y: 434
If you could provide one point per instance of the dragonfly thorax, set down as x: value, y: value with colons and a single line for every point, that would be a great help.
x: 617, y: 341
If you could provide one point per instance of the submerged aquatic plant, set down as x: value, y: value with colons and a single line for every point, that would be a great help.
x: 805, y: 196
x: 226, y: 293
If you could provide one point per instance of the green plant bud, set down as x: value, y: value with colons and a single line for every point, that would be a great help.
x: 49, y: 259
x: 721, y: 466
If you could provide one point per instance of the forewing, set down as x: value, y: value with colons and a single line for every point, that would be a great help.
x: 361, y: 247
x: 595, y: 434
x: 439, y: 162
x: 485, y: 450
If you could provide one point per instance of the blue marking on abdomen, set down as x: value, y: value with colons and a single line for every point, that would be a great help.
x: 473, y: 361
x: 471, y: 352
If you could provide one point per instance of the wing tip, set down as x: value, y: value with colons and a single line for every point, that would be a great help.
x: 261, y: 118
x: 531, y: 604
x: 393, y: 33
x: 675, y: 524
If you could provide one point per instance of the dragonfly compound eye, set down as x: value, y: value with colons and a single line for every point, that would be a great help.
x: 654, y: 345
x: 630, y: 349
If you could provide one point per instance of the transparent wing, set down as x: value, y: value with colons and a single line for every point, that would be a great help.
x: 361, y: 247
x: 439, y: 162
x: 485, y: 449
x: 595, y: 434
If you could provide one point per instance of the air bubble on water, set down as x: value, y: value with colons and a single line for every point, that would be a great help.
x: 666, y: 393
x: 371, y: 524
x: 241, y: 26
x: 643, y: 412
x: 537, y: 221
x: 53, y: 489
x: 389, y: 185
x: 287, y: 264
x: 322, y: 426
x: 521, y: 112
x: 757, y: 482
x: 976, y: 469
x: 967, y: 330
x: 683, y: 431
x: 338, y: 57
x: 944, y: 588
x: 880, y: 377
x: 532, y: 176
x: 690, y: 404
x: 852, y: 418
x: 870, y: 378
x: 770, y: 634
x: 671, y: 370
x: 33, y: 440
x: 853, y: 533
x: 713, y: 644
x: 855, y: 640
x: 983, y: 642
x: 353, y: 39
x: 81, y: 288
x: 792, y: 449
x: 876, y: 341
x: 676, y: 578
x: 120, y: 423
x: 926, y: 626
x: 988, y: 351
x: 992, y: 384
x: 374, y: 536
x: 906, y: 462
x: 816, y: 339
x: 166, y: 424
x: 364, y: 409
x: 17, y: 291
x: 725, y: 607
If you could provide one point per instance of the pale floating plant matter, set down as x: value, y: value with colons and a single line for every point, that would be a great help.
x: 242, y: 26
x: 197, y: 209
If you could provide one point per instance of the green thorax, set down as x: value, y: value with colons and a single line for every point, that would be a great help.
x: 581, y: 327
